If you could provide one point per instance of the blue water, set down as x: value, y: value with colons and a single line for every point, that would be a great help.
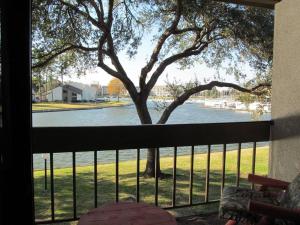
x: 187, y: 113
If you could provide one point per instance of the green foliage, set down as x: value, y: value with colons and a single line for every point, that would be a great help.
x: 57, y: 27
x: 213, y: 93
x: 239, y: 34
x: 246, y: 98
x: 234, y: 33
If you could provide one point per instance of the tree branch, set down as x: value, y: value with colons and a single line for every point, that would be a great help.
x: 80, y: 12
x: 185, y: 96
x: 96, y: 8
x: 109, y: 70
x: 196, y: 48
x: 119, y: 73
x: 125, y: 80
x: 167, y: 33
x: 101, y: 9
x: 110, y: 14
x: 111, y: 49
x: 193, y: 50
x: 188, y: 29
x: 56, y: 52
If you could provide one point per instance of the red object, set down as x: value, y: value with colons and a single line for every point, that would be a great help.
x: 274, y: 211
x: 231, y: 222
x: 267, y: 182
x: 127, y: 213
x: 269, y: 212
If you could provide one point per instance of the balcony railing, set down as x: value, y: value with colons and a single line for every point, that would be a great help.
x: 119, y: 138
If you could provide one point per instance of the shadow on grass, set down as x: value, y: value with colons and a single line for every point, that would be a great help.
x: 63, y: 190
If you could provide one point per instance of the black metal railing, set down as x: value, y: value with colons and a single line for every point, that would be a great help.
x: 118, y: 138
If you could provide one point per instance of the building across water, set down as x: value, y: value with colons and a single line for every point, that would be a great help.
x: 68, y: 92
x: 65, y: 93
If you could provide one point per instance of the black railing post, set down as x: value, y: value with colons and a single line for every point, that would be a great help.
x: 156, y: 175
x: 117, y: 175
x: 223, y: 167
x: 74, y: 186
x: 253, y: 161
x: 45, y: 171
x: 138, y: 175
x: 238, y: 165
x: 95, y: 180
x: 52, y: 187
x: 174, y: 177
x: 191, y: 176
x: 207, y: 174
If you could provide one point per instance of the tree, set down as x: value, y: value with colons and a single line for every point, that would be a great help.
x: 77, y: 35
x: 115, y: 87
x: 213, y: 93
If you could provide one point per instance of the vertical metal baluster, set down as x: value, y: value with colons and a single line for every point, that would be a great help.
x: 138, y: 175
x: 156, y: 174
x: 253, y: 161
x: 174, y: 177
x: 45, y: 170
x: 95, y: 180
x: 52, y: 186
x: 238, y: 165
x: 191, y: 176
x: 117, y: 175
x: 223, y: 167
x: 207, y: 174
x: 74, y: 185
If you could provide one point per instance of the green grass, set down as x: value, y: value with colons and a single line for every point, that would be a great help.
x: 75, y: 106
x: 106, y: 183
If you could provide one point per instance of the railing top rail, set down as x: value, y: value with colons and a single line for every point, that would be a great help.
x: 68, y: 139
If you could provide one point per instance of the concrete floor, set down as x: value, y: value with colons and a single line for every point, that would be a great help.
x: 205, y: 219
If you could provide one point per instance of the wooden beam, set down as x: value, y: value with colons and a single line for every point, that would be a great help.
x: 269, y: 4
x: 69, y: 139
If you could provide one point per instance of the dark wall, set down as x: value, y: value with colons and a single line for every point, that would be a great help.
x: 16, y: 203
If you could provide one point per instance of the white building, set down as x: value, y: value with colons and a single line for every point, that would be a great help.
x: 65, y: 93
x: 88, y: 92
x: 103, y: 91
x: 160, y: 90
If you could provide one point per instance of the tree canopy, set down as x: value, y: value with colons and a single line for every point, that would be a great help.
x: 82, y: 34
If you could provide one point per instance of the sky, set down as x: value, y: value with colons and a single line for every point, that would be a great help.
x: 133, y: 67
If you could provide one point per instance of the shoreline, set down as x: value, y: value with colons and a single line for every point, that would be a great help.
x: 76, y: 109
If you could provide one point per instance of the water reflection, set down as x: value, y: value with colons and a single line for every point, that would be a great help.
x: 187, y: 113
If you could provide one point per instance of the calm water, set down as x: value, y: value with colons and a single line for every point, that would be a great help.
x: 187, y: 113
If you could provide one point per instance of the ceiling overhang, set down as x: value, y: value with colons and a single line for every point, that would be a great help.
x: 257, y: 3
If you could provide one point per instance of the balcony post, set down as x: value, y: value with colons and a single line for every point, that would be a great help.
x: 16, y: 203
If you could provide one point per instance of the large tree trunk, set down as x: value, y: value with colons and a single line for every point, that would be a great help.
x: 151, y: 165
x: 145, y: 118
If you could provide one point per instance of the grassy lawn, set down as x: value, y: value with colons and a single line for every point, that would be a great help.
x: 106, y: 183
x: 69, y: 106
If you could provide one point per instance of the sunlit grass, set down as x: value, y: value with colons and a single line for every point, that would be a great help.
x: 127, y: 171
x: 68, y: 106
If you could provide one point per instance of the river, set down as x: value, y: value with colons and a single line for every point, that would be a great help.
x: 187, y: 113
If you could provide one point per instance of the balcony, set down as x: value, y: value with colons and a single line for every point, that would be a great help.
x: 199, y: 160
x: 16, y: 191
